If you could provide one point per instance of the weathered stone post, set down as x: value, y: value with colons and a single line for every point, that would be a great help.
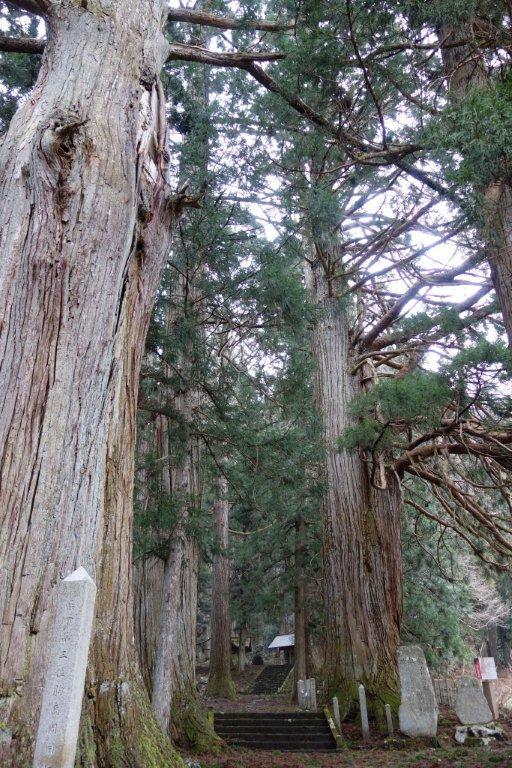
x: 64, y: 685
x: 311, y: 689
x: 389, y: 720
x: 336, y: 712
x: 302, y: 694
x: 365, y: 725
x: 418, y: 711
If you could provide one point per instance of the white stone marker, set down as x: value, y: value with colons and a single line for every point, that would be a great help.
x: 418, y: 710
x: 365, y: 725
x: 389, y: 720
x: 336, y: 712
x: 64, y: 685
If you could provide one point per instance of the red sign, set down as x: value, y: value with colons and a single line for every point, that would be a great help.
x: 478, y: 669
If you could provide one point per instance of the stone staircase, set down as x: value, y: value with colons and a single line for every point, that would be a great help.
x: 271, y: 678
x: 284, y: 731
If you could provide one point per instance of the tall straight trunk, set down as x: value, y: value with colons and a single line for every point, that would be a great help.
x: 148, y: 578
x: 301, y: 666
x: 465, y: 66
x: 174, y: 695
x: 220, y: 682
x: 362, y: 562
x: 148, y: 571
x: 84, y: 233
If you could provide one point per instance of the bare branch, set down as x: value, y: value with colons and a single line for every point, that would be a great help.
x: 221, y: 22
x: 21, y: 44
x: 242, y: 60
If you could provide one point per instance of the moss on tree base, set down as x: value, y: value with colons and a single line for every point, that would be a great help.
x: 118, y: 730
x: 378, y: 694
x: 221, y: 687
x: 190, y: 726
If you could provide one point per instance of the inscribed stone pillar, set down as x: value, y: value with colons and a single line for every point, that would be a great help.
x: 311, y: 689
x: 418, y: 710
x: 64, y: 684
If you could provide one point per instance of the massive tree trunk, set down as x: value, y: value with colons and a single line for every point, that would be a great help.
x: 301, y: 666
x: 465, y: 67
x: 362, y: 561
x: 84, y: 232
x: 220, y: 682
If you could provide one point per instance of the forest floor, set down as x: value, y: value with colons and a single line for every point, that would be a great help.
x: 378, y: 753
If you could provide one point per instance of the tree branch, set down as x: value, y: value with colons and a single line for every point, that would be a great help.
x: 180, y: 52
x: 22, y: 44
x: 221, y: 22
x: 399, y: 337
x: 440, y: 278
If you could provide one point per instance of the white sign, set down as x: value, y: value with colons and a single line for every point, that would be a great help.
x: 488, y: 668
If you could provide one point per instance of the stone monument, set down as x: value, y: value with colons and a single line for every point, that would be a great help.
x: 311, y: 689
x: 471, y: 706
x: 363, y: 709
x: 64, y: 684
x: 417, y: 714
x: 302, y: 695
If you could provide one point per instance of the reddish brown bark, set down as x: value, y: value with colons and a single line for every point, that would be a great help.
x: 362, y: 561
x: 301, y: 661
x: 85, y: 223
x: 220, y: 682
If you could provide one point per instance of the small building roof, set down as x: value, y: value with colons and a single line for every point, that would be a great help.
x: 283, y: 641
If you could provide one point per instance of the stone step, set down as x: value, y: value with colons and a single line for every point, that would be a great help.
x: 274, y: 728
x: 235, y: 733
x: 286, y: 731
x: 271, y: 678
x: 286, y: 716
x: 285, y: 744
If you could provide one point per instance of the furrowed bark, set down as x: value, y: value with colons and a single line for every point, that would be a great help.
x: 220, y: 682
x: 148, y: 577
x: 360, y: 532
x: 301, y: 665
x: 85, y: 224
x: 174, y: 696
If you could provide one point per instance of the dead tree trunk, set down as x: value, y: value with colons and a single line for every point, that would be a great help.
x: 85, y: 226
x: 362, y: 561
x: 220, y: 682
